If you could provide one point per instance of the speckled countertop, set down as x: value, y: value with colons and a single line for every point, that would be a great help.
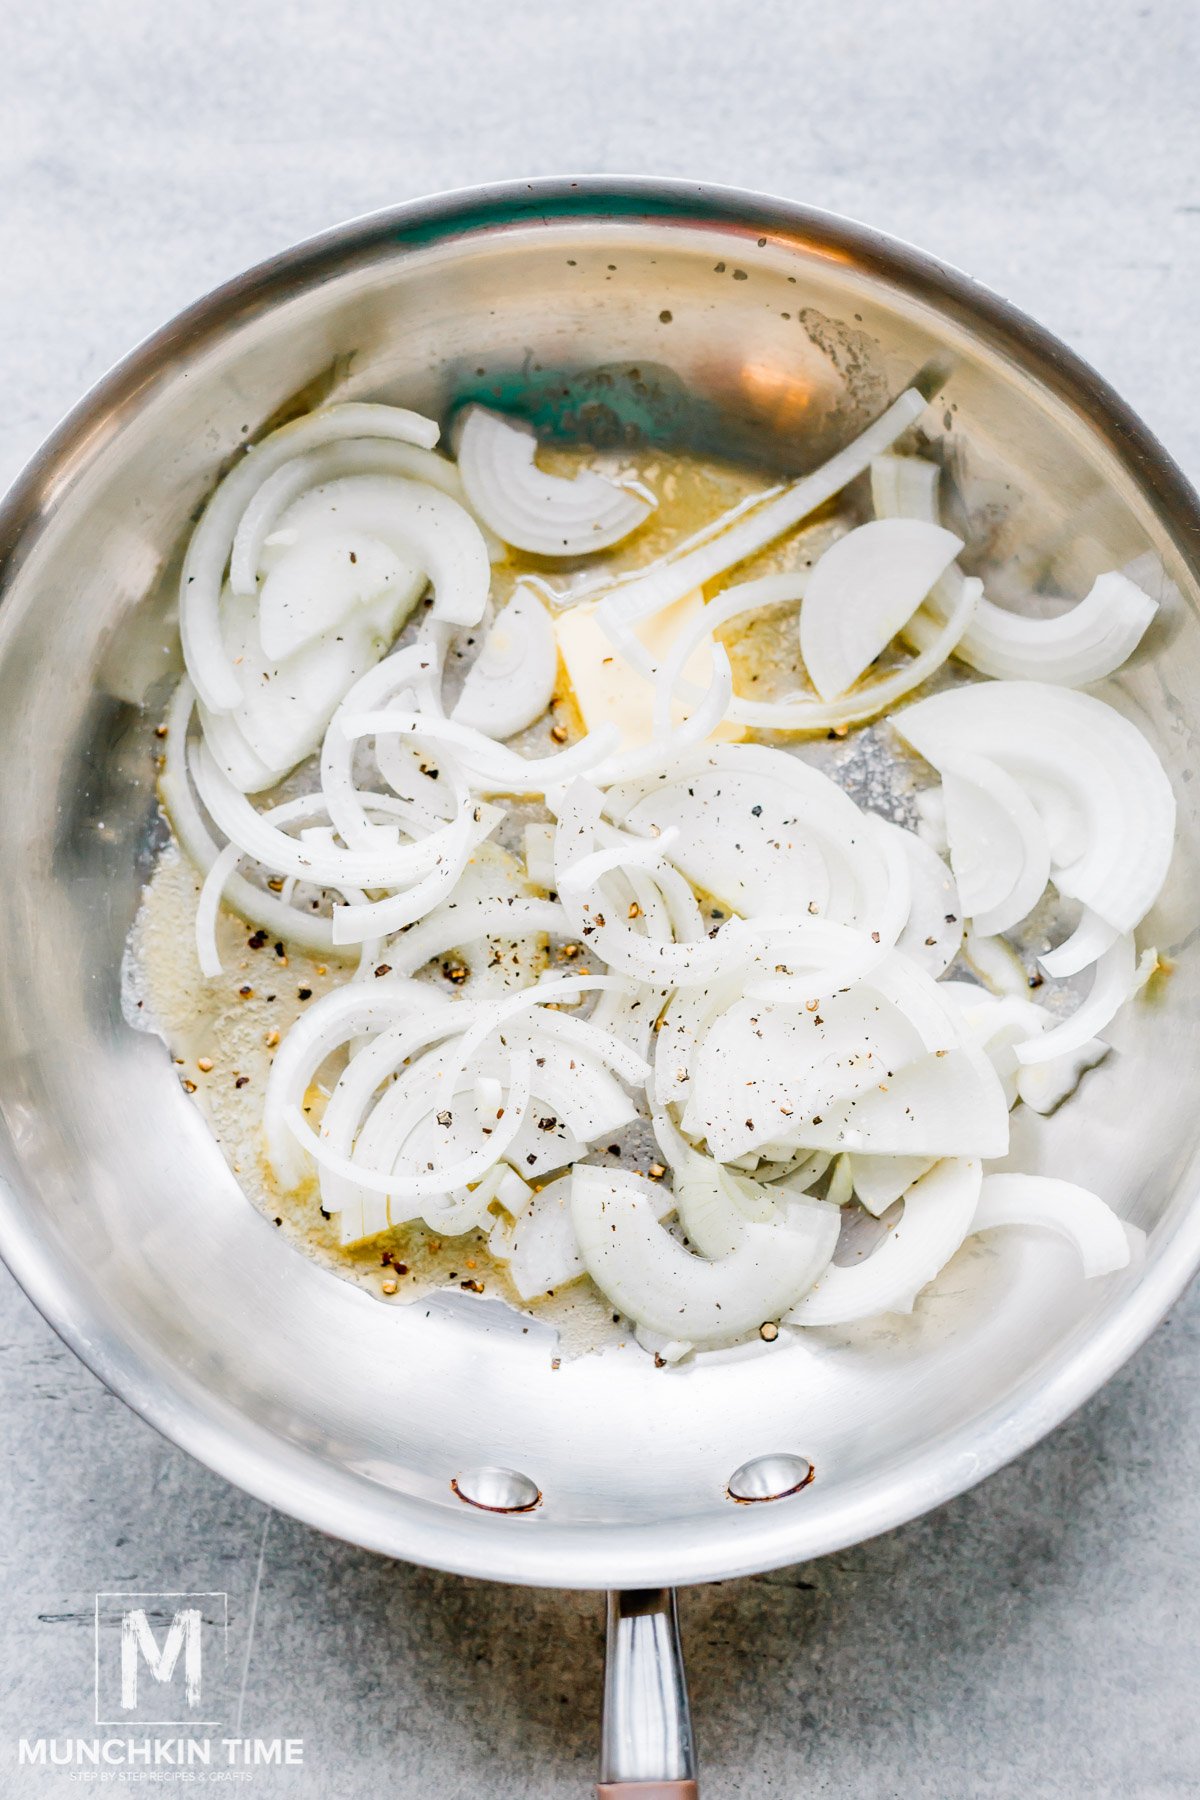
x: 1038, y: 1637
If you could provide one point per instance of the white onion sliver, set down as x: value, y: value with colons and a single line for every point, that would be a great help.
x: 1057, y: 742
x: 1079, y: 645
x: 361, y: 456
x: 1082, y: 1218
x: 511, y: 681
x: 938, y: 1210
x: 999, y: 850
x: 1119, y: 973
x: 860, y: 593
x: 804, y: 714
x: 208, y: 550
x: 547, y: 515
x: 653, y: 1280
x: 1086, y: 944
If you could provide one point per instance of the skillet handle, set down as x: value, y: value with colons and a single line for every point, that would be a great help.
x: 646, y: 1747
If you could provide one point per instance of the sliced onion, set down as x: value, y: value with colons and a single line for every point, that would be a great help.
x: 393, y: 678
x: 1086, y: 944
x: 417, y: 522
x: 882, y: 1067
x: 286, y: 705
x: 209, y: 905
x: 313, y: 588
x: 938, y: 1213
x: 428, y: 1183
x: 492, y: 768
x: 879, y: 1181
x: 1119, y: 974
x: 767, y: 592
x: 539, y: 855
x: 933, y: 934
x: 332, y: 1021
x: 1087, y: 752
x: 1075, y: 647
x: 1103, y: 1242
x: 802, y: 714
x: 541, y: 1249
x: 209, y: 548
x: 860, y: 593
x: 546, y: 515
x: 217, y: 880
x: 303, y: 929
x: 357, y: 921
x: 258, y: 531
x: 952, y: 1105
x: 653, y: 1280
x: 762, y: 831
x: 335, y: 867
x: 511, y: 681
x: 999, y: 850
x: 584, y: 585
x: 653, y: 591
x: 452, y: 925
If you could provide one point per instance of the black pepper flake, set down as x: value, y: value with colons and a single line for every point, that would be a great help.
x: 245, y: 991
x: 240, y: 1081
x: 548, y: 1123
x: 614, y: 1149
x: 279, y: 1221
x: 304, y: 993
x: 756, y: 812
x: 383, y: 969
x: 472, y: 1287
x: 256, y: 940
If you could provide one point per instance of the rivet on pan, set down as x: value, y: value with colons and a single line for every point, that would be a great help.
x: 497, y: 1490
x: 770, y: 1478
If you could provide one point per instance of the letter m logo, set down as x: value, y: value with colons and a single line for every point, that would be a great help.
x: 138, y: 1644
x: 162, y: 1659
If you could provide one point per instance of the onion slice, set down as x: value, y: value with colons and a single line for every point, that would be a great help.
x: 1077, y: 759
x: 1119, y: 973
x: 208, y: 550
x: 1104, y: 1243
x: 511, y: 681
x: 938, y: 1214
x: 861, y: 592
x: 546, y: 515
x: 1074, y: 647
x: 999, y: 850
x: 654, y: 1281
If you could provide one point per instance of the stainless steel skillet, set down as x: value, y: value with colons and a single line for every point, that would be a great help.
x: 615, y: 309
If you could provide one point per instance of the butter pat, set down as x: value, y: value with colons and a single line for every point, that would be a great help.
x: 607, y: 689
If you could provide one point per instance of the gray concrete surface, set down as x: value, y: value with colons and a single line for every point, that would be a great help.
x: 1039, y: 1637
